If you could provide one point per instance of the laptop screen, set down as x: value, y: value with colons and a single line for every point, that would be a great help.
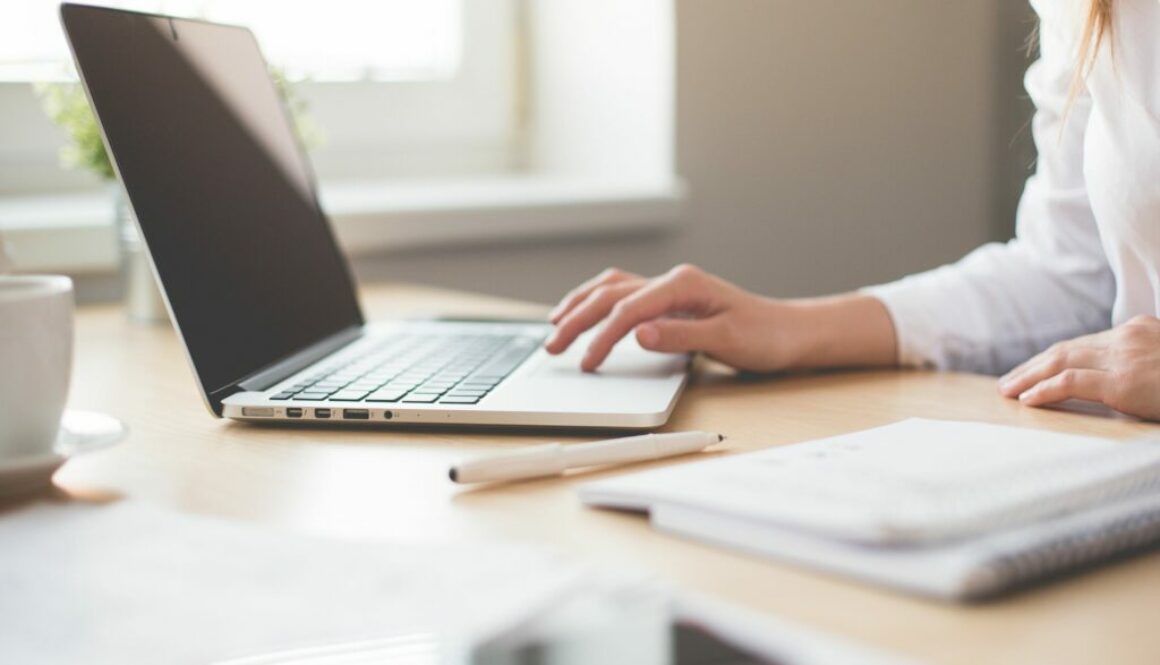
x: 222, y: 191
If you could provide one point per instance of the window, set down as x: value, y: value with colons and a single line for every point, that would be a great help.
x: 398, y: 88
x: 442, y: 121
x: 384, y: 40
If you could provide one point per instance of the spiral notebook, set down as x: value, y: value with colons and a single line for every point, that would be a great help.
x: 948, y: 509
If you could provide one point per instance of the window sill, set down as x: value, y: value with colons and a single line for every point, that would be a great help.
x: 74, y: 234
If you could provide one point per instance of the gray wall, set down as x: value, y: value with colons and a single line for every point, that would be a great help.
x: 826, y: 145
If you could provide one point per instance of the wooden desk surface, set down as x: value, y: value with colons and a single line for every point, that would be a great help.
x: 383, y: 483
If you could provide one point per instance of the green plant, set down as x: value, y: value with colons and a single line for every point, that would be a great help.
x: 68, y: 107
x: 309, y: 133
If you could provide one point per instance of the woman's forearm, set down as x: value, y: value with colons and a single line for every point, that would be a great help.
x: 850, y: 330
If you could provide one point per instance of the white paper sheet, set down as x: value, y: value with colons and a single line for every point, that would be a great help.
x: 130, y: 583
x: 916, y: 481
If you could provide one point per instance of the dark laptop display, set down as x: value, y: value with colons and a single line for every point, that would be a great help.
x: 220, y: 185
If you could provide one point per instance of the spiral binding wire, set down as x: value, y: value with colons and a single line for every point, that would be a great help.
x: 1068, y: 551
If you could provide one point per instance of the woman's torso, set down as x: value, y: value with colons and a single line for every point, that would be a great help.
x: 1122, y: 155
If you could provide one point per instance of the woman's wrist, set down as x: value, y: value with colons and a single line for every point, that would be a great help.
x: 850, y: 330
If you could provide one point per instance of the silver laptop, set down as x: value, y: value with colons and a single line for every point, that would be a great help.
x: 255, y: 282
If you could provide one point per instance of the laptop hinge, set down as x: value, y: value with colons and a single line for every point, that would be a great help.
x: 299, y: 361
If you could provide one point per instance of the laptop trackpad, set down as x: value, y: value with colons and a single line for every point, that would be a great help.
x: 632, y: 381
x: 627, y: 361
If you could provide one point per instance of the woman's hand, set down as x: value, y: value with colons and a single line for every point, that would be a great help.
x: 687, y: 309
x: 1118, y: 367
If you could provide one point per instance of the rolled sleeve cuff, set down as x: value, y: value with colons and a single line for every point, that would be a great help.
x: 915, y: 328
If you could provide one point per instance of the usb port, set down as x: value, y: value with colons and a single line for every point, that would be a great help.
x: 322, y: 413
x: 294, y: 412
x: 356, y: 414
x: 258, y: 411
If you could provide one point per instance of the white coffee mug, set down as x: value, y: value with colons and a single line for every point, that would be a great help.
x: 36, y: 343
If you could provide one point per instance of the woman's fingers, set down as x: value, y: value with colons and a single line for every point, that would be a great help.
x: 673, y: 293
x: 581, y: 293
x: 588, y: 313
x: 624, y: 301
x: 1086, y: 384
x: 1048, y: 364
x: 1097, y: 341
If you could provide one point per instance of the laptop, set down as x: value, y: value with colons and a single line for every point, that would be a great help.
x: 253, y: 277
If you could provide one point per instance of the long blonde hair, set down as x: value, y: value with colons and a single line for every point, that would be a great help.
x: 1097, y: 26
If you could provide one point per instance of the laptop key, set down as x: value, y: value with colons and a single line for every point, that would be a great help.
x: 285, y: 395
x: 476, y: 383
x: 311, y: 396
x: 428, y: 391
x: 438, y: 385
x: 365, y: 386
x: 399, y: 386
x: 386, y: 395
x: 460, y: 399
x: 426, y: 398
x: 349, y: 395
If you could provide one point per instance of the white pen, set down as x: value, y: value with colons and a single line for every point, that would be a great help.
x: 555, y: 458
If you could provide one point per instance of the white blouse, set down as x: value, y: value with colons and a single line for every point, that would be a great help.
x: 1086, y: 255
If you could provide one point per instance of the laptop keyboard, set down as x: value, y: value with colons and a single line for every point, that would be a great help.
x: 420, y: 369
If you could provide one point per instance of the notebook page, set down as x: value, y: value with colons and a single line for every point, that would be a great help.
x: 913, y: 481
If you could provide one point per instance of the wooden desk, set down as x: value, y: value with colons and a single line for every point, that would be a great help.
x: 383, y: 483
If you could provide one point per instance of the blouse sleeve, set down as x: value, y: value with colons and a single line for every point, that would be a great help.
x: 1003, y: 303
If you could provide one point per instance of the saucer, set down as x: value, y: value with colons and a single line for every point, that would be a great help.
x: 80, y: 432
